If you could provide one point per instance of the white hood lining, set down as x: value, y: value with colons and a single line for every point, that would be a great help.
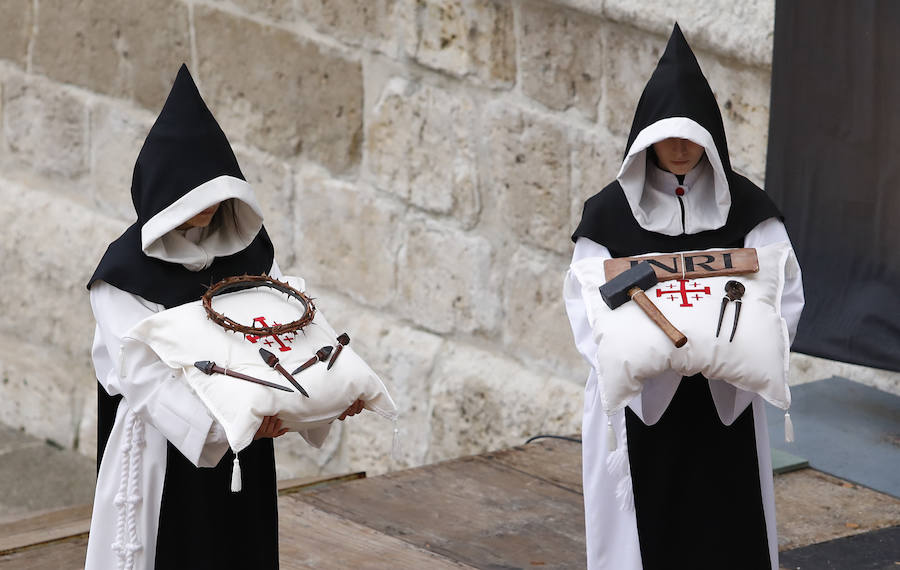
x: 706, y: 205
x: 234, y: 227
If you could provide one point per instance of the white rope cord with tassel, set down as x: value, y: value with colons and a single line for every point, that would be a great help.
x: 133, y: 500
x: 620, y: 471
x: 610, y: 436
x: 121, y: 362
x: 118, y: 545
x: 127, y: 542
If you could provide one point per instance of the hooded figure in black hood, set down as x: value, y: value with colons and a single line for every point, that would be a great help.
x: 197, y: 223
x: 693, y: 487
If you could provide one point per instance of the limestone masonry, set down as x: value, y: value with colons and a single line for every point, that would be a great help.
x: 421, y: 163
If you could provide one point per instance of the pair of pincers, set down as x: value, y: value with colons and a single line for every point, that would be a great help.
x: 734, y: 290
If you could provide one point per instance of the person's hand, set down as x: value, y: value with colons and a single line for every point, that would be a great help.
x: 355, y: 408
x: 270, y: 427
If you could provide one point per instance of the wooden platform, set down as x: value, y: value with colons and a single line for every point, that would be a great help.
x: 517, y: 508
x: 478, y: 511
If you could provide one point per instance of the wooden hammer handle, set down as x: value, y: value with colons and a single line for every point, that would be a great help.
x: 676, y: 336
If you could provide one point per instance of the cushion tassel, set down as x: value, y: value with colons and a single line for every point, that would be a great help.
x: 396, y: 452
x: 610, y: 437
x: 396, y: 448
x: 788, y: 428
x: 236, y: 475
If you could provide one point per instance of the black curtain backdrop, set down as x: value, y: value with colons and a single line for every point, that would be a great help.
x: 833, y: 168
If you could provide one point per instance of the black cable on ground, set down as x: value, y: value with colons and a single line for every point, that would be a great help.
x: 546, y: 436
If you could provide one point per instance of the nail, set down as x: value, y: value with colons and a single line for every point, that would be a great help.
x: 320, y: 356
x: 272, y: 361
x: 210, y: 367
x: 343, y: 339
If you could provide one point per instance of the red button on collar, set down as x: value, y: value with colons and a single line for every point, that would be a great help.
x: 679, y: 191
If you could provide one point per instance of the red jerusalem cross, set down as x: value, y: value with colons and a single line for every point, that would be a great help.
x: 261, y: 321
x: 672, y: 292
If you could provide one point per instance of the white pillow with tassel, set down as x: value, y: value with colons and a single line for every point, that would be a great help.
x: 183, y: 335
x: 631, y: 348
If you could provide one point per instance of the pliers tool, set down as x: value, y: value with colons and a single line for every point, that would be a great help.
x: 734, y: 290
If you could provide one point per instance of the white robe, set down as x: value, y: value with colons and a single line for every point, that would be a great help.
x: 611, y: 530
x: 612, y: 540
x: 157, y: 406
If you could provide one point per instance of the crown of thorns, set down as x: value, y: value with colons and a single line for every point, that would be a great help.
x: 241, y: 282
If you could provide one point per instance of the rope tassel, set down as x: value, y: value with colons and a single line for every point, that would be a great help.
x: 620, y: 471
x: 236, y: 475
x: 788, y: 428
x: 610, y: 437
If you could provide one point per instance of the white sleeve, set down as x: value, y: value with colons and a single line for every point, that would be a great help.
x: 575, y: 307
x: 772, y: 231
x: 150, y: 388
x: 275, y: 270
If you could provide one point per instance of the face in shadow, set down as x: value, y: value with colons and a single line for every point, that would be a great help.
x: 678, y: 156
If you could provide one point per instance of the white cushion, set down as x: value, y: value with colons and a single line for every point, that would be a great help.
x: 631, y: 348
x: 183, y: 335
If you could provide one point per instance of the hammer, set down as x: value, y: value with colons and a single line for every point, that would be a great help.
x: 631, y: 284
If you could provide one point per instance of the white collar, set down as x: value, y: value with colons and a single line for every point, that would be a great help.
x: 666, y: 182
x: 234, y: 227
x: 650, y: 191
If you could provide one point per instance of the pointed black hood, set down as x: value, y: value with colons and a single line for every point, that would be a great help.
x: 677, y: 102
x: 678, y: 88
x: 185, y: 166
x: 184, y: 148
x: 631, y: 216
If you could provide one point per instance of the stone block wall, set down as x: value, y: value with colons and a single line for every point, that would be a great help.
x: 421, y: 164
